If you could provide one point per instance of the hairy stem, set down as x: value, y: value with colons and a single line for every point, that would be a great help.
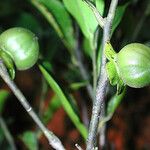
x: 94, y: 71
x: 53, y: 140
x: 102, y: 82
x: 102, y: 137
x: 7, y: 134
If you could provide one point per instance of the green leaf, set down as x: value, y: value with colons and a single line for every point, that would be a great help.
x: 78, y: 85
x: 62, y: 18
x: 109, y: 51
x: 3, y: 97
x: 100, y: 5
x: 47, y: 65
x: 118, y: 16
x: 28, y: 21
x: 68, y: 39
x: 111, y: 107
x: 87, y: 48
x: 30, y: 140
x: 48, y: 16
x: 65, y: 102
x: 112, y: 73
x: 54, y: 104
x: 114, y: 102
x: 83, y: 15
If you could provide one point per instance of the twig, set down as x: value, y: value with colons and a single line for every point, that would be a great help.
x: 7, y: 134
x: 53, y: 140
x: 99, y: 18
x: 102, y: 130
x: 102, y: 82
x: 78, y: 147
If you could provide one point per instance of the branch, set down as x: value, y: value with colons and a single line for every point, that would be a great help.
x: 102, y: 82
x: 7, y: 134
x: 78, y: 147
x: 102, y: 136
x: 99, y: 18
x: 53, y: 140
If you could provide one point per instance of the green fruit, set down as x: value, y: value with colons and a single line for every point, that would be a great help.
x: 133, y: 65
x: 21, y: 45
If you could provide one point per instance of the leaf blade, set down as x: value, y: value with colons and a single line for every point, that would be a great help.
x: 62, y: 19
x: 83, y: 15
x: 30, y: 140
x: 100, y: 5
x: 65, y: 103
x: 118, y: 16
x: 3, y: 96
